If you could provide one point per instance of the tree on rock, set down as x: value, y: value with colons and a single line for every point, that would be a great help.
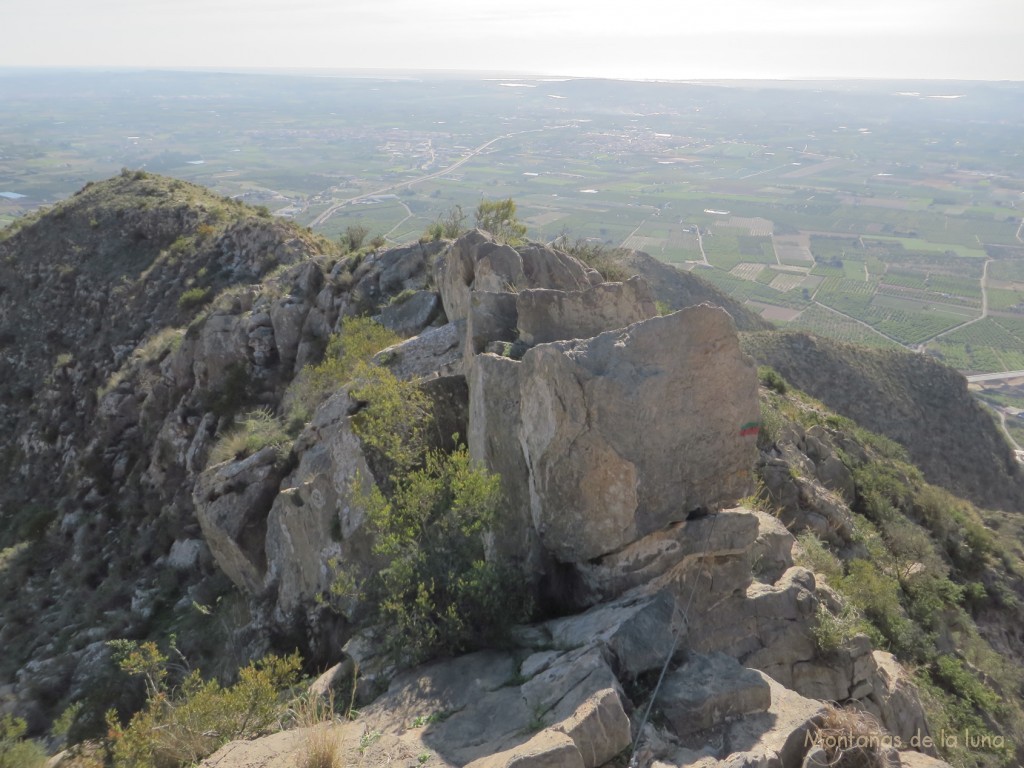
x: 499, y: 218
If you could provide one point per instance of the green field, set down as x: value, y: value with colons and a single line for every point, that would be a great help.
x: 793, y: 210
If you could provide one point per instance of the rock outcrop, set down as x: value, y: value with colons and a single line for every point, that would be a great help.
x: 633, y: 430
x: 624, y: 442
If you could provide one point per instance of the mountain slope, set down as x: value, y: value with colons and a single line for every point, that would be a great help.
x: 919, y: 403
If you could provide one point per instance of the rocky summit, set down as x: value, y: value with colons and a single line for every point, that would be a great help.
x: 224, y: 438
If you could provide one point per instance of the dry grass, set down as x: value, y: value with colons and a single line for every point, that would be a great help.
x: 853, y: 739
x: 322, y: 748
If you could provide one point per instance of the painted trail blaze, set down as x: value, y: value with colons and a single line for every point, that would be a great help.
x: 750, y: 428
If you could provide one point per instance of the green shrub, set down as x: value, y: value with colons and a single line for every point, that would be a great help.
x: 815, y: 556
x: 832, y: 631
x: 194, y: 298
x: 15, y: 750
x: 448, y: 225
x: 499, y: 218
x: 597, y: 256
x: 257, y: 430
x: 358, y: 341
x: 772, y: 422
x: 393, y: 422
x: 353, y: 237
x: 179, y: 727
x: 438, y: 594
x: 772, y: 379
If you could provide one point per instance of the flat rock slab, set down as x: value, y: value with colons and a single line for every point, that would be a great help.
x: 710, y: 690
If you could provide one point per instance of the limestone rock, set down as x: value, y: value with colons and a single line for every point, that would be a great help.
x: 599, y: 728
x: 710, y: 690
x: 493, y: 442
x: 492, y: 317
x: 781, y: 731
x: 544, y: 315
x: 288, y: 316
x: 231, y: 501
x: 548, y: 749
x: 435, y: 352
x: 476, y: 262
x: 630, y: 431
x: 415, y: 313
x: 639, y: 631
x: 894, y: 699
x: 316, y: 517
x: 678, y: 546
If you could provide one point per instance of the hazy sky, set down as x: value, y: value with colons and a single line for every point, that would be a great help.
x: 674, y: 39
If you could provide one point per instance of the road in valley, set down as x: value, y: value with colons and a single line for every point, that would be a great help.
x: 323, y: 217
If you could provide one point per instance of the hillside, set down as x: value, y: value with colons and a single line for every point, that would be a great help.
x: 458, y: 460
x: 921, y: 404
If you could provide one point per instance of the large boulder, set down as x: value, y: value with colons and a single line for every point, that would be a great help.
x: 317, y: 517
x: 493, y: 442
x: 435, y: 352
x: 231, y: 501
x: 476, y: 262
x: 635, y: 429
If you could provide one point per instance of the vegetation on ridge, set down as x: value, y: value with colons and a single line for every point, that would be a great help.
x: 920, y: 568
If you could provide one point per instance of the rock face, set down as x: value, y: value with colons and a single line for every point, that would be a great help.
x: 476, y: 263
x: 544, y: 315
x: 316, y: 517
x: 632, y: 430
x: 232, y: 500
x: 622, y: 440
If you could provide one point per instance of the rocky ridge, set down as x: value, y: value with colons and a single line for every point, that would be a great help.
x: 625, y: 442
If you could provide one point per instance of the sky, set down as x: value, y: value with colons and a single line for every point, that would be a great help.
x: 637, y: 39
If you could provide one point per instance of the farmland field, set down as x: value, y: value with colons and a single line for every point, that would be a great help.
x: 771, y: 191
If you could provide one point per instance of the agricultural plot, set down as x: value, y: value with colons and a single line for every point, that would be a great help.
x: 910, y: 327
x: 1005, y: 300
x: 851, y: 297
x: 750, y: 290
x: 981, y: 347
x: 1007, y: 271
x: 792, y: 253
x: 747, y: 271
x: 824, y: 322
x: 786, y: 281
x: 1014, y: 325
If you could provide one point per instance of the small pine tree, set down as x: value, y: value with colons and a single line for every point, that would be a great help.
x: 499, y: 218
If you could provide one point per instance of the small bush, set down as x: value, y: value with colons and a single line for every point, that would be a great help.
x: 852, y: 739
x: 499, y: 218
x: 257, y: 430
x: 597, y: 256
x: 194, y: 298
x: 353, y: 237
x: 832, y: 631
x: 814, y: 556
x: 772, y: 379
x: 439, y: 595
x: 358, y: 341
x: 15, y: 750
x: 181, y: 726
x: 771, y: 424
x: 448, y: 225
x: 321, y: 749
x: 394, y: 420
